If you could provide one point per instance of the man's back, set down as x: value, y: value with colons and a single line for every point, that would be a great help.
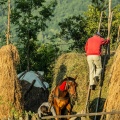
x: 93, y: 45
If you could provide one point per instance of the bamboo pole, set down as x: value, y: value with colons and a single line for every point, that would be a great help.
x: 81, y: 115
x: 109, y: 18
x: 8, y: 27
x: 118, y: 37
x: 100, y: 21
x: 109, y: 25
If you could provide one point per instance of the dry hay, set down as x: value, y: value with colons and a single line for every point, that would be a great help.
x: 10, y: 95
x: 113, y: 99
x: 72, y: 64
x: 34, y: 98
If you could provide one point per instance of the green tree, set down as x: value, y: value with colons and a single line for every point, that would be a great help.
x: 115, y: 23
x: 42, y: 58
x: 100, y: 4
x: 73, y: 28
x: 3, y: 22
x: 93, y: 18
x: 29, y: 17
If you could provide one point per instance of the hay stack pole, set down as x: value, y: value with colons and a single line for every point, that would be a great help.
x: 8, y: 28
x: 109, y: 24
x: 11, y: 104
x: 109, y: 18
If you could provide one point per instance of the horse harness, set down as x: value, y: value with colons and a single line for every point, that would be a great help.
x: 66, y: 88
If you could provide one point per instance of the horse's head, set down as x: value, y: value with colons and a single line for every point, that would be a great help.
x: 71, y: 87
x: 65, y: 95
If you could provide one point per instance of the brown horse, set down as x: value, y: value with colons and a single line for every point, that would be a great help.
x: 62, y: 98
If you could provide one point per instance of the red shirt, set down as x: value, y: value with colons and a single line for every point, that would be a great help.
x: 93, y: 45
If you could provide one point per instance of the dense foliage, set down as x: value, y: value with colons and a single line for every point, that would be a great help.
x: 73, y: 28
x: 42, y: 30
x: 29, y: 18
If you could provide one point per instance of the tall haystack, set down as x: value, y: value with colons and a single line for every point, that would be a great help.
x: 113, y: 99
x: 10, y: 95
x: 72, y: 64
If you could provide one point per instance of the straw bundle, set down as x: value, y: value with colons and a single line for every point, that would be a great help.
x: 73, y: 64
x: 113, y: 99
x: 10, y: 95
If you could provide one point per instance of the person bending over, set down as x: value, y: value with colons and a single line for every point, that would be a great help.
x: 45, y: 110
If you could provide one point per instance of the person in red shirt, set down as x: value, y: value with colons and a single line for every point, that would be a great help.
x: 93, y: 52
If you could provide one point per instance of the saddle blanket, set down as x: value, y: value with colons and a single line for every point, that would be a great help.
x: 62, y: 87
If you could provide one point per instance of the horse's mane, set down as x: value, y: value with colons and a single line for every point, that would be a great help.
x: 66, y: 79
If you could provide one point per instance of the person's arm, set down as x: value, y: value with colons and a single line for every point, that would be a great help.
x: 53, y: 111
x: 39, y: 113
x: 104, y: 42
x: 86, y: 47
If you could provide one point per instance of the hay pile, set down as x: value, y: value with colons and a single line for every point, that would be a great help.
x: 113, y: 99
x: 10, y: 93
x: 72, y: 64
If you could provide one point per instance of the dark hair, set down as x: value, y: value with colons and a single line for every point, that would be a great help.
x: 44, y: 109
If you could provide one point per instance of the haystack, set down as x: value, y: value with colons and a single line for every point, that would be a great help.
x: 113, y: 99
x: 73, y: 64
x: 10, y: 95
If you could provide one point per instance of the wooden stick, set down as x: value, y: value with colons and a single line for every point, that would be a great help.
x: 100, y: 22
x: 82, y: 115
x: 109, y: 25
x: 29, y: 88
x: 109, y: 18
x: 88, y: 100
x: 8, y: 28
x: 22, y: 74
x: 118, y: 37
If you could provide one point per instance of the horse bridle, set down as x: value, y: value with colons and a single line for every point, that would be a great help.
x: 67, y: 88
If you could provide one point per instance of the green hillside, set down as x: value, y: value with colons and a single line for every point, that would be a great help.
x: 68, y: 8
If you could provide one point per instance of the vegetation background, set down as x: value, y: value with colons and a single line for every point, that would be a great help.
x: 49, y: 28
x: 44, y: 30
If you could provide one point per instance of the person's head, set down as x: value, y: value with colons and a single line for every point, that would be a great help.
x: 44, y: 109
x: 98, y: 33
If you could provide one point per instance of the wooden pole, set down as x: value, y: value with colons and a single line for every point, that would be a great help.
x: 8, y: 27
x: 100, y: 21
x: 109, y: 25
x: 118, y: 37
x: 81, y: 115
x: 88, y: 100
x: 109, y: 18
x: 29, y: 88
